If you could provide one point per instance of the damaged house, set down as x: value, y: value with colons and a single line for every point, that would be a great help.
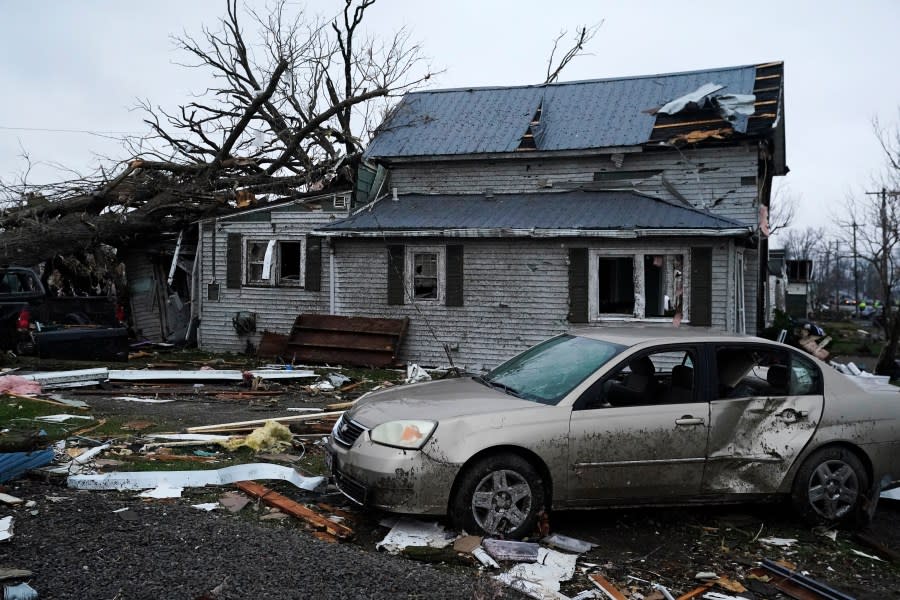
x: 495, y: 217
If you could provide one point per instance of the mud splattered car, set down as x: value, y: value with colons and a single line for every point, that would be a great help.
x: 614, y: 417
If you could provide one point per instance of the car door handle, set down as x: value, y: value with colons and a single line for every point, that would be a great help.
x: 689, y: 420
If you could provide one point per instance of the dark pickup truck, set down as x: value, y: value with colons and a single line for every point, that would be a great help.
x: 76, y: 327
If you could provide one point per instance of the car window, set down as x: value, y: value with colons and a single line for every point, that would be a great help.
x: 748, y: 371
x: 806, y: 378
x: 552, y: 369
x: 661, y: 377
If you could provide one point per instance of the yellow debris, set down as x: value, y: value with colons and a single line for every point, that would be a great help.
x: 271, y: 436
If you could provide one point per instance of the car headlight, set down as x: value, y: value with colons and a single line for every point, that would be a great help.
x: 410, y: 434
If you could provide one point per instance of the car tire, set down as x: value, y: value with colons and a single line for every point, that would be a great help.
x: 830, y: 486
x: 500, y: 495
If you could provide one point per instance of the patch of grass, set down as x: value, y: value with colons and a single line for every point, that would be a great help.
x: 18, y: 415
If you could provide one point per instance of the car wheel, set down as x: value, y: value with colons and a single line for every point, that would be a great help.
x: 829, y: 486
x: 499, y: 495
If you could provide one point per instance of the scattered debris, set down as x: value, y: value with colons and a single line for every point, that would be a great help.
x: 18, y: 386
x: 295, y: 509
x: 568, y: 544
x: 793, y: 583
x: 68, y: 379
x: 14, y: 464
x: 864, y: 555
x: 62, y: 418
x: 234, y: 501
x: 412, y: 532
x: 144, y: 400
x: 541, y: 579
x: 776, y: 541
x: 175, y: 375
x: 140, y: 480
x: 415, y: 374
x: 271, y: 436
x: 7, y: 499
x: 506, y: 550
x: 7, y: 573
x: 357, y: 341
x: 6, y: 528
x: 162, y: 491
x: 207, y: 506
x: 608, y: 589
x: 250, y: 425
x: 22, y: 591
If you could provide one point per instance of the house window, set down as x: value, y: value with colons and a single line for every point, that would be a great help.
x: 616, y: 285
x: 425, y: 278
x: 258, y: 268
x: 290, y: 263
x: 274, y: 262
x: 637, y: 285
x: 663, y: 284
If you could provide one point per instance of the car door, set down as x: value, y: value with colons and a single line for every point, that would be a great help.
x: 641, y: 431
x: 767, y: 403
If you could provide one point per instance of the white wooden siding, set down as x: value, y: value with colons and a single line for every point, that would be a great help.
x: 516, y: 294
x: 710, y: 178
x: 276, y: 308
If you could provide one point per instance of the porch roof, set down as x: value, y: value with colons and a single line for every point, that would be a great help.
x: 557, y: 214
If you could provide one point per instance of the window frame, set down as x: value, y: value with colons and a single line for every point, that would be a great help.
x: 409, y: 274
x: 637, y: 256
x: 274, y: 279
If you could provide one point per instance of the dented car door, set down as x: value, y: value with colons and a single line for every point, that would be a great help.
x: 641, y: 431
x: 768, y: 402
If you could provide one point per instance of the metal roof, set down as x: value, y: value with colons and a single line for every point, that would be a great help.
x: 577, y: 115
x: 574, y: 212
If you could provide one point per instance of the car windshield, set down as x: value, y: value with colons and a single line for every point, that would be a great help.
x: 552, y: 369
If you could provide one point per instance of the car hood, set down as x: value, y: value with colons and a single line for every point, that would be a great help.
x: 434, y: 400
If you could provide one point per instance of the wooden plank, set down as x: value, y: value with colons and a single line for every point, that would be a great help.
x: 295, y: 509
x: 691, y: 123
x: 606, y: 587
x: 695, y: 592
x: 359, y: 324
x: 261, y: 422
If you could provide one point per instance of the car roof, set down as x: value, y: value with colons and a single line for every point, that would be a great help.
x: 634, y: 335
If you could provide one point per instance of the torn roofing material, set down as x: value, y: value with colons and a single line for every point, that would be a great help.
x: 537, y: 214
x: 578, y: 115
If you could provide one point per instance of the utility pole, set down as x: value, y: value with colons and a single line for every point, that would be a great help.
x: 855, y: 271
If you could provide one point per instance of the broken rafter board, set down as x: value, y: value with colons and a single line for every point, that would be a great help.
x: 272, y: 374
x: 791, y: 582
x: 295, y: 509
x: 238, y: 425
x: 176, y: 375
x: 141, y: 480
x: 62, y: 379
x: 608, y: 589
x: 696, y: 592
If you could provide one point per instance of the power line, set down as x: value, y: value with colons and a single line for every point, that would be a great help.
x: 50, y: 130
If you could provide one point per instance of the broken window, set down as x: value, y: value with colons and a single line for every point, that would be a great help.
x: 425, y: 276
x: 638, y: 285
x: 616, y: 285
x: 663, y: 284
x: 290, y: 263
x: 752, y: 371
x: 424, y: 273
x: 270, y: 262
x: 256, y: 262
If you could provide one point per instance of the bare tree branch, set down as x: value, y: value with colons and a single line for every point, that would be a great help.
x: 583, y: 35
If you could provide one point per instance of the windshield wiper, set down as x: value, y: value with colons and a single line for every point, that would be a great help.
x: 499, y: 386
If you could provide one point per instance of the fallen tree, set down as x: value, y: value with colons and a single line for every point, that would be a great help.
x: 293, y: 104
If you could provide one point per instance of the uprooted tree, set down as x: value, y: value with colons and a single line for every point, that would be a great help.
x: 292, y: 104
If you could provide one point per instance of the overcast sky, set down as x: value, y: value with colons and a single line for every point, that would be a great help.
x: 82, y: 65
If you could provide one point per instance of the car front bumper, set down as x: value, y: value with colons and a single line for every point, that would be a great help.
x: 392, y: 479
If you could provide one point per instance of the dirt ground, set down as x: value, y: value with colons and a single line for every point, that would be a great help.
x: 79, y: 548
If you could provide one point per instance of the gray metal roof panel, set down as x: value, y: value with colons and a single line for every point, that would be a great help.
x: 575, y: 115
x: 558, y: 210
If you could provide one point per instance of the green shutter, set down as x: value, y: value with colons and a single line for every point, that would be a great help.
x: 454, y: 275
x: 313, y: 270
x: 233, y: 261
x: 396, y: 260
x: 701, y: 287
x: 578, y: 285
